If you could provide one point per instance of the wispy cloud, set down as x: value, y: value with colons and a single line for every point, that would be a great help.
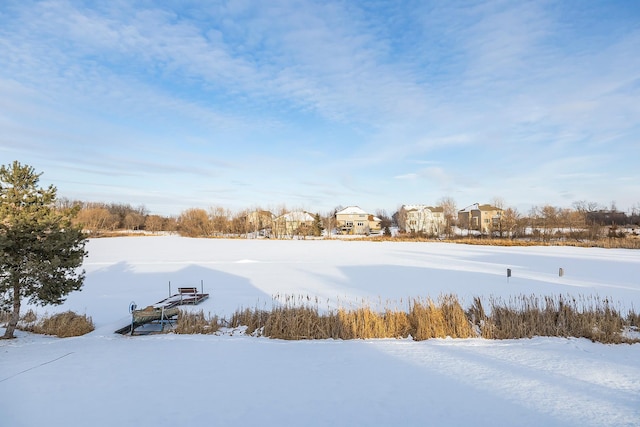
x: 531, y: 93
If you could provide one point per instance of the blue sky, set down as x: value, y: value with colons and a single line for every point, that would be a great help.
x: 315, y: 104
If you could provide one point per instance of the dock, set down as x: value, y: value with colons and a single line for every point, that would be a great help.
x: 163, y: 312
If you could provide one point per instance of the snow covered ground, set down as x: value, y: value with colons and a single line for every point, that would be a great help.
x: 104, y: 379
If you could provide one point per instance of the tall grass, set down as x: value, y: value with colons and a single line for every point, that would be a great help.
x: 526, y: 316
x: 253, y: 319
x: 445, y: 319
x: 196, y: 323
x: 63, y: 325
x: 523, y: 316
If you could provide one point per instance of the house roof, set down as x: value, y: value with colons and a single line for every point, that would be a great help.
x: 488, y: 207
x: 299, y: 216
x: 422, y: 207
x: 352, y: 210
x: 261, y: 213
x: 414, y: 207
x: 479, y: 207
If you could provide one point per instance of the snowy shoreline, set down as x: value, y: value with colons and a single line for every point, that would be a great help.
x: 104, y: 379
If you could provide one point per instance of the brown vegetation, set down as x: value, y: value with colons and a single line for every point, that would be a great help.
x: 196, y: 323
x: 607, y: 243
x: 520, y: 317
x: 584, y: 225
x: 529, y: 316
x: 299, y: 318
x: 63, y: 325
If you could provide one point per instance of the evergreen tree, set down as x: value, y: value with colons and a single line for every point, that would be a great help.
x: 317, y: 225
x: 40, y: 249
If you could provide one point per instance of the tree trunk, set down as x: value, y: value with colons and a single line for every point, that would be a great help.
x: 15, y: 314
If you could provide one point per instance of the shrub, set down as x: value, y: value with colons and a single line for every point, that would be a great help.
x: 63, y: 325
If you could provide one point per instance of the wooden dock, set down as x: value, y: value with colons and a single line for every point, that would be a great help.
x: 164, y: 311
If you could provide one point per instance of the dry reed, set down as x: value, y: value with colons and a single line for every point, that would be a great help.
x: 296, y: 318
x: 63, y: 325
x: 527, y: 316
x: 196, y: 323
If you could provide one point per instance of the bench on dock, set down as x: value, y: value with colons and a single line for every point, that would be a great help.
x: 187, y: 290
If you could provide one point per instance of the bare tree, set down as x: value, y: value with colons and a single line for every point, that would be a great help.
x: 329, y: 222
x: 634, y: 217
x: 220, y: 220
x: 498, y: 202
x: 400, y: 218
x: 509, y: 222
x: 385, y: 220
x: 534, y: 221
x: 154, y: 223
x: 450, y: 212
x: 170, y: 224
x: 549, y: 221
x: 121, y: 211
x: 240, y: 223
x: 95, y: 219
x: 133, y: 221
x: 588, y: 210
x: 195, y: 223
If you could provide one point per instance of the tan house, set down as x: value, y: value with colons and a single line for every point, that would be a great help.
x: 483, y: 218
x: 297, y: 223
x: 422, y: 219
x: 353, y: 220
x: 260, y: 221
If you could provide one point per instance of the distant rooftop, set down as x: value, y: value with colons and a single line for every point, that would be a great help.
x: 352, y: 210
x: 478, y: 207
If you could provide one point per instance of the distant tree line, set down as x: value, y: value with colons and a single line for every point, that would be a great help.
x: 583, y: 221
x: 96, y: 217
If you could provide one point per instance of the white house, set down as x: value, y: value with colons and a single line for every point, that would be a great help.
x: 422, y: 219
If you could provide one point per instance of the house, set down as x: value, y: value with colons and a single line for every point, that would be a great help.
x: 296, y: 223
x: 422, y: 219
x: 353, y: 220
x: 260, y: 221
x: 482, y: 218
